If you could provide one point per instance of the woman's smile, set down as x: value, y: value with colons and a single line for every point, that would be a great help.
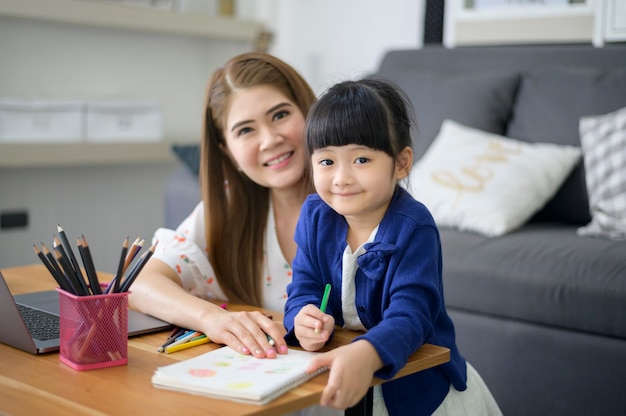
x: 279, y: 161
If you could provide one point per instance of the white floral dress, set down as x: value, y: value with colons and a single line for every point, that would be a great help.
x: 184, y: 250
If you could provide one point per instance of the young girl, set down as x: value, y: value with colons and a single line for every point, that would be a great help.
x: 380, y: 250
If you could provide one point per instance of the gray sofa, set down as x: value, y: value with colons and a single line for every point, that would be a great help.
x: 539, y: 311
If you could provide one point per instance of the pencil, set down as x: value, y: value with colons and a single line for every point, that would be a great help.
x: 185, y: 338
x: 176, y: 332
x: 67, y: 266
x: 325, y: 297
x: 120, y: 267
x: 92, y: 265
x: 50, y: 268
x: 188, y: 335
x: 67, y: 271
x: 132, y: 252
x: 61, y: 258
x: 173, y: 348
x: 197, y: 337
x: 324, y: 301
x: 90, y: 268
x: 137, y: 268
x: 70, y: 253
x: 56, y: 266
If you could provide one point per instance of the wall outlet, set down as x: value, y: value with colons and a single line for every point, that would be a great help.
x: 13, y: 220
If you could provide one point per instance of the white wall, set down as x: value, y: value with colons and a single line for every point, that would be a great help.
x: 106, y: 203
x: 43, y: 59
x: 331, y: 40
x: 326, y: 40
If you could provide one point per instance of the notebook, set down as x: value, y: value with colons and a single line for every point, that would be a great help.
x: 30, y: 321
x: 225, y: 374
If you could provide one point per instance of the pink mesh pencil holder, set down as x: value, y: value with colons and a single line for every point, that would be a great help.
x: 93, y: 330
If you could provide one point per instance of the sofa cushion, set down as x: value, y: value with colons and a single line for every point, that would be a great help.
x: 549, y: 105
x: 486, y: 183
x: 541, y: 273
x: 481, y: 100
x: 189, y: 155
x: 182, y: 195
x: 603, y: 141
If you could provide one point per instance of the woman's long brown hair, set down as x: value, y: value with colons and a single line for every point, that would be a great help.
x: 236, y: 208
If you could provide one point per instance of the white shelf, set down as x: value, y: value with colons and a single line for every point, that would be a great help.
x: 524, y: 24
x: 88, y: 13
x: 525, y: 12
x: 17, y: 155
x: 114, y: 17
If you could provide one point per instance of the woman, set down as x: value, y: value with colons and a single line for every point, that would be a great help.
x: 237, y: 244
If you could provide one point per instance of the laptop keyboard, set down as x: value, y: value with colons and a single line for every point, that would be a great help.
x: 41, y: 325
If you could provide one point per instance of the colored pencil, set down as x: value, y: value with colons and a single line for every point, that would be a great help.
x: 324, y: 301
x: 137, y: 268
x: 185, y: 338
x: 132, y: 253
x: 173, y: 348
x: 175, y: 333
x: 325, y: 297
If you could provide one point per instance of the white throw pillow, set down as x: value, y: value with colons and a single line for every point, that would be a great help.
x: 485, y: 183
x: 603, y: 140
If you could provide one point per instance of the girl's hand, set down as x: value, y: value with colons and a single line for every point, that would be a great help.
x: 247, y: 333
x: 313, y: 327
x: 352, y: 367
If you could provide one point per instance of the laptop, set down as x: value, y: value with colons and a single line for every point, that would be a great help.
x: 30, y: 321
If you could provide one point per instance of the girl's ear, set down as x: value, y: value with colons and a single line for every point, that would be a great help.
x: 404, y: 162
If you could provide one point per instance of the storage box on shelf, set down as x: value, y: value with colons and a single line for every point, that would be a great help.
x: 41, y: 120
x: 119, y: 121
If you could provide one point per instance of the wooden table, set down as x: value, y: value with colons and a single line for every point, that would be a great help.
x: 42, y: 385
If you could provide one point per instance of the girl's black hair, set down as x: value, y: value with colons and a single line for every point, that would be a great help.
x: 369, y: 112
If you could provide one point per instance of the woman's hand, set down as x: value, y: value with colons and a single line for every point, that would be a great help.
x: 313, y: 327
x: 158, y: 291
x: 352, y: 367
x: 247, y: 333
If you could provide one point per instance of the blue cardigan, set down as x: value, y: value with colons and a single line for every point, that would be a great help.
x: 399, y: 295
